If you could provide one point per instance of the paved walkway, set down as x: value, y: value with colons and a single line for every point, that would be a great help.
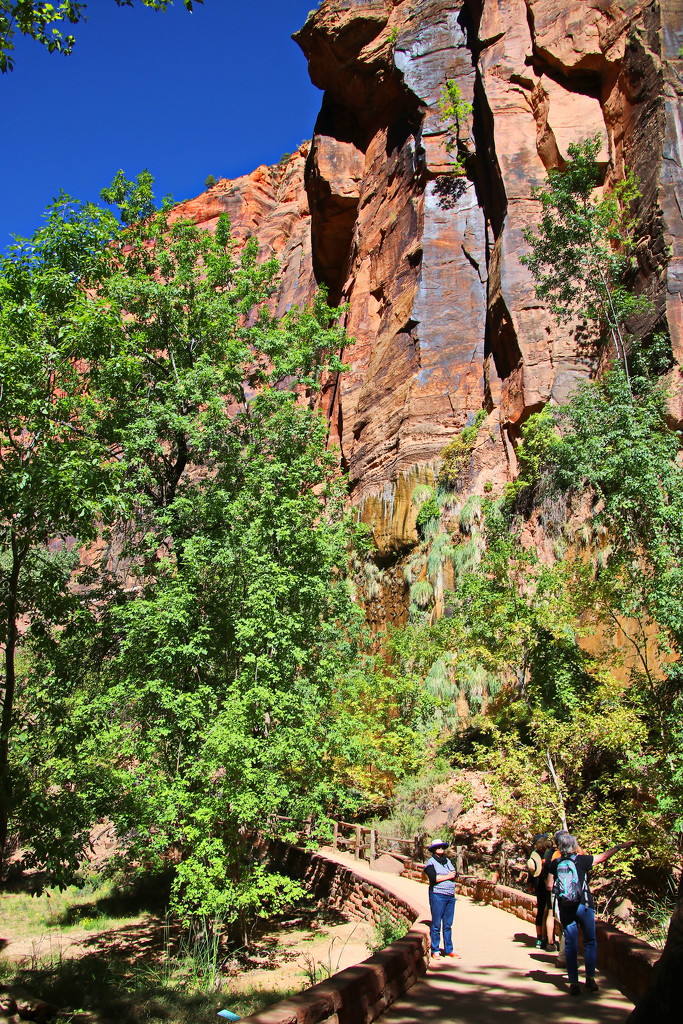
x: 500, y: 976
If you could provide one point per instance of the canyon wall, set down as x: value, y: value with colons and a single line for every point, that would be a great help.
x: 444, y: 316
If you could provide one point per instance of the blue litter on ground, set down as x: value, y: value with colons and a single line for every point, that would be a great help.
x: 228, y: 1015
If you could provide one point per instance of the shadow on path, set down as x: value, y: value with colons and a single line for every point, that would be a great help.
x: 500, y: 975
x: 485, y: 994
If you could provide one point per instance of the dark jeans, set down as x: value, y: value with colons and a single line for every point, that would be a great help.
x: 585, y: 918
x: 443, y: 909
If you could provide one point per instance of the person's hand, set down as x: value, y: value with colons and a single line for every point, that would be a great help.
x: 627, y: 845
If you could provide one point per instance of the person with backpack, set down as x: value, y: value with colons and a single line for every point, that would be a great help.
x: 568, y: 882
x: 441, y: 874
x: 537, y: 868
x: 552, y: 922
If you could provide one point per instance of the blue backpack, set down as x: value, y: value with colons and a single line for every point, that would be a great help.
x: 567, y: 887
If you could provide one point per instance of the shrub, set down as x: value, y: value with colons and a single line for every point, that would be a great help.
x: 387, y: 930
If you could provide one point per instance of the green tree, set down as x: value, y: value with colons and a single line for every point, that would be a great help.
x: 584, y: 246
x: 44, y: 22
x: 454, y: 112
x: 196, y: 670
x: 57, y: 476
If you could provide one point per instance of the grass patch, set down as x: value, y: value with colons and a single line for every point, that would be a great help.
x: 67, y: 911
x: 96, y: 905
x: 117, y: 991
x: 126, y: 961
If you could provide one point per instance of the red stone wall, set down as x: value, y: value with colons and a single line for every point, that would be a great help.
x: 358, y: 994
x: 629, y: 960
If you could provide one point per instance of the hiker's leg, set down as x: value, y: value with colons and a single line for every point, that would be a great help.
x: 447, y: 920
x: 571, y: 938
x: 436, y: 905
x: 541, y: 910
x: 586, y: 917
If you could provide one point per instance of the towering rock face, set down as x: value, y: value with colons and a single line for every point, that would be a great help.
x: 444, y: 315
x: 270, y: 204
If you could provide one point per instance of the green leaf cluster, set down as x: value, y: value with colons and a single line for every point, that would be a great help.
x: 584, y: 247
x: 44, y: 22
x: 455, y: 113
x: 183, y: 679
x: 455, y: 457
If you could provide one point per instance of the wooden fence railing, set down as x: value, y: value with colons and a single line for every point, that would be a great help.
x: 361, y: 839
x: 366, y: 843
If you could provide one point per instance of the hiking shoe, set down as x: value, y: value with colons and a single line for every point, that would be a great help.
x: 540, y: 944
x: 574, y: 990
x: 592, y: 985
x: 550, y: 947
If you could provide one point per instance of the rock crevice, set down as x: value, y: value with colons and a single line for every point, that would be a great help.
x: 444, y: 316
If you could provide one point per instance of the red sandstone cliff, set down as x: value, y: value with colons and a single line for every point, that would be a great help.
x: 444, y: 315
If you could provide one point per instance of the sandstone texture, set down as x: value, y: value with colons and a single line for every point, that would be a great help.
x: 271, y: 205
x: 444, y: 316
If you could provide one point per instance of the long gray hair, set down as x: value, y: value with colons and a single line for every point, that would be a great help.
x: 567, y: 844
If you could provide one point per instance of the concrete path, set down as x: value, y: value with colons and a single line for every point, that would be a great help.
x: 499, y: 976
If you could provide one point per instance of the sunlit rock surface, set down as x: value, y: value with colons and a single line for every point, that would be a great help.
x: 444, y: 316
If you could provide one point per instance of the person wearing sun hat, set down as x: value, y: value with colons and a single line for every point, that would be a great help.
x: 441, y: 874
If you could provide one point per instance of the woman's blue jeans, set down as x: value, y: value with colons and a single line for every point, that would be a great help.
x: 443, y: 909
x: 585, y: 917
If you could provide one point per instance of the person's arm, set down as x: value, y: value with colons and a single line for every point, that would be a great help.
x: 430, y: 872
x: 600, y: 858
x: 550, y: 877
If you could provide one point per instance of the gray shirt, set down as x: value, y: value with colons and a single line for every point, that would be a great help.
x: 433, y: 868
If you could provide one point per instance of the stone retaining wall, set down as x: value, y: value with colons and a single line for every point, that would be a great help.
x: 358, y: 994
x: 629, y: 960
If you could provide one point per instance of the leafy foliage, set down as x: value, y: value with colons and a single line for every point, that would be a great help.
x: 186, y: 691
x: 584, y: 246
x: 58, y: 477
x: 454, y: 112
x: 44, y: 21
x: 455, y: 457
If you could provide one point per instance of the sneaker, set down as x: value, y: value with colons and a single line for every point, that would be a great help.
x: 436, y: 955
x: 550, y: 947
x: 453, y: 956
x: 574, y: 990
x: 592, y: 985
x: 540, y: 944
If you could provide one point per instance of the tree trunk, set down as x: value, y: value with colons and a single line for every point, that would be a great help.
x: 12, y: 607
x: 663, y: 1001
x: 553, y: 775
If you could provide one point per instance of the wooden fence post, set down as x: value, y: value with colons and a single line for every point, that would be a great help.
x: 357, y: 849
x: 335, y: 836
x: 418, y: 849
x: 373, y: 845
x: 459, y: 861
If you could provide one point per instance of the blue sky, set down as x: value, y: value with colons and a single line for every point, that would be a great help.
x: 219, y: 91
